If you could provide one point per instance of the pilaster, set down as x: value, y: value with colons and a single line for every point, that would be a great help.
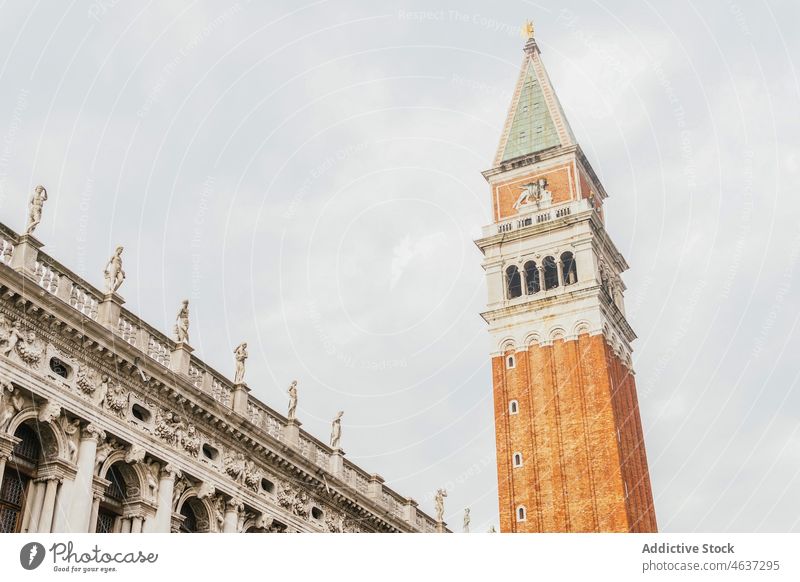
x: 375, y: 487
x: 26, y: 253
x: 240, y: 395
x: 410, y: 511
x: 108, y: 311
x: 336, y: 463
x: 291, y: 433
x: 180, y: 359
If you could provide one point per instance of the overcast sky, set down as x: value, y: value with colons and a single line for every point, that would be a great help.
x: 308, y: 175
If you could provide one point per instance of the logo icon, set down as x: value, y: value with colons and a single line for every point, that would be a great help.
x: 31, y: 555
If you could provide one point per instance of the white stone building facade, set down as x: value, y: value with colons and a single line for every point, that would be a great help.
x: 108, y: 425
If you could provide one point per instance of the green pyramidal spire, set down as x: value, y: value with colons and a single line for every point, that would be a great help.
x: 535, y: 119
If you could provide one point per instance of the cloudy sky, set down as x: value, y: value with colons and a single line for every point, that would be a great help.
x: 308, y: 175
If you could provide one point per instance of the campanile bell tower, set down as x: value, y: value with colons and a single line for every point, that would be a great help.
x: 570, y: 450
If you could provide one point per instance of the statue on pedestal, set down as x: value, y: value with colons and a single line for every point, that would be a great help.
x: 114, y: 275
x: 182, y: 323
x: 35, y: 208
x: 240, y: 353
x: 292, y: 414
x: 336, y: 430
x: 439, y: 500
x: 467, y: 520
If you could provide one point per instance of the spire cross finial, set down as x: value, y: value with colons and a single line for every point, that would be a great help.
x: 527, y: 30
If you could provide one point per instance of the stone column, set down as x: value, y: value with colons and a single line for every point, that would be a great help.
x: 80, y: 508
x: 136, y: 524
x: 166, y: 487
x: 3, y: 458
x: 230, y: 522
x: 48, y: 506
x: 540, y: 268
x: 560, y: 271
x: 108, y: 312
x: 240, y: 394
x: 126, y: 525
x: 96, y: 499
x: 291, y: 434
x: 36, y: 507
x: 26, y: 253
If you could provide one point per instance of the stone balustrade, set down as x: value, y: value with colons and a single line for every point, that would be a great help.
x: 557, y: 211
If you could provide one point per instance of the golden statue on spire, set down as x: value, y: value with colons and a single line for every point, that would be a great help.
x: 527, y: 30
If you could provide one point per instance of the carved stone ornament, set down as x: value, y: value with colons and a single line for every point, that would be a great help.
x: 30, y: 349
x: 181, y: 485
x: 11, y: 403
x: 234, y: 465
x: 334, y: 522
x: 171, y: 471
x: 206, y: 490
x: 218, y: 508
x: 116, y: 399
x: 84, y: 380
x: 49, y: 412
x: 135, y: 454
x: 252, y: 476
x: 191, y: 441
x: 263, y: 521
x: 295, y: 500
x: 151, y: 475
x: 168, y: 427
x: 104, y: 450
x: 71, y: 428
x: 534, y: 194
x: 92, y: 431
x: 10, y: 335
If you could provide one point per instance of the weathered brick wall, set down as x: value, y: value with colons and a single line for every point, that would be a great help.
x: 573, y: 396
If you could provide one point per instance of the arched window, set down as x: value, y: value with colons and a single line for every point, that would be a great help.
x: 569, y: 268
x: 521, y: 513
x: 510, y: 362
x: 17, y: 478
x: 531, y: 278
x: 550, y: 273
x: 189, y: 523
x: 517, y: 459
x: 513, y: 282
x: 513, y: 407
x: 109, y: 514
x: 18, y: 486
x: 196, y: 517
